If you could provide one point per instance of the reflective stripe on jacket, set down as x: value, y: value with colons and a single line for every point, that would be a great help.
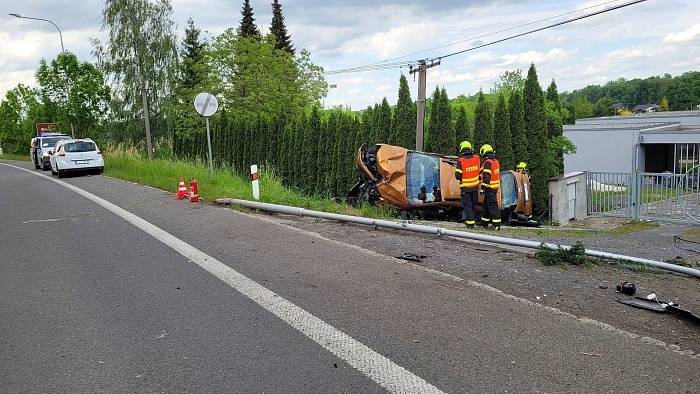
x: 468, y: 167
x: 491, y: 174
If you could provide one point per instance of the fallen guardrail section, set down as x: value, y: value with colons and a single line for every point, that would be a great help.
x: 283, y: 209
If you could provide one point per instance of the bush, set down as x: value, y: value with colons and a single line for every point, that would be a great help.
x: 576, y: 255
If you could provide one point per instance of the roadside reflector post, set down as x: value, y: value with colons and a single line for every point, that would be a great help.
x: 254, y: 179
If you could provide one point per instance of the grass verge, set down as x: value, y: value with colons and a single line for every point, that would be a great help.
x: 12, y: 156
x: 164, y: 174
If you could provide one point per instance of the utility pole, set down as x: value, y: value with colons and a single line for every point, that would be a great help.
x: 422, y: 69
x: 149, y: 145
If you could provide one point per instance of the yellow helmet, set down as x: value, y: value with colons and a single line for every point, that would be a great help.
x: 465, y: 145
x: 486, y: 148
x: 521, y: 166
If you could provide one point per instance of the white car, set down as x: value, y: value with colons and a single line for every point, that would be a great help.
x: 76, y: 155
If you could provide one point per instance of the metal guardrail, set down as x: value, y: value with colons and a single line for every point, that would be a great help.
x: 407, y: 226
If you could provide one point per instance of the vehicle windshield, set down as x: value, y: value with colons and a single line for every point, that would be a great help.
x: 50, y: 142
x: 80, y: 146
x: 422, y: 178
x: 509, y: 190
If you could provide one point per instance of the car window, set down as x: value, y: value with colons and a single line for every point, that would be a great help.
x: 422, y: 178
x: 80, y: 146
x: 509, y: 190
x: 50, y: 141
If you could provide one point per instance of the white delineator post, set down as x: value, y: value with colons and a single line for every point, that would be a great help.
x: 254, y: 179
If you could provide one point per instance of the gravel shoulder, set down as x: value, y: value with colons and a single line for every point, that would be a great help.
x: 586, y: 292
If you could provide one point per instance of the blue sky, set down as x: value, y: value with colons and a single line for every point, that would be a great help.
x: 650, y: 38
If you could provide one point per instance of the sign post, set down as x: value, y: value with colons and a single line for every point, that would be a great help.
x: 206, y: 105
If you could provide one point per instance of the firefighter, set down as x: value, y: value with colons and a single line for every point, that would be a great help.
x: 467, y: 173
x: 522, y: 168
x: 490, y: 182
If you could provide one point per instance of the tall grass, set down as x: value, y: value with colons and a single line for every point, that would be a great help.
x: 164, y: 174
x: 12, y: 156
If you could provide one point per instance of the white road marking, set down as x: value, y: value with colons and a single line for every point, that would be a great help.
x: 383, y: 371
x: 44, y: 220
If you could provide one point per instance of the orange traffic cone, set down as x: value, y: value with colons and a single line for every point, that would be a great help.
x: 181, y: 190
x: 194, y: 195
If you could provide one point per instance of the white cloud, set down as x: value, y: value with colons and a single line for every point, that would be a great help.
x: 525, y: 58
x: 686, y: 35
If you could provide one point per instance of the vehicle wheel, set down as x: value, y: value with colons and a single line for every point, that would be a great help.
x: 45, y: 167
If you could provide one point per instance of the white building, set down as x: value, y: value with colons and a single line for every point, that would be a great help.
x: 654, y: 142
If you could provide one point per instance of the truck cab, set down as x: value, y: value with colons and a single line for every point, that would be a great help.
x: 41, y: 146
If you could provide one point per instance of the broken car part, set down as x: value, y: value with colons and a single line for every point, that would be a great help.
x: 628, y: 288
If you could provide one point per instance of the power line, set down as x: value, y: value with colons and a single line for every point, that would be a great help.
x: 492, y: 33
x: 382, y: 65
x: 613, y: 8
x: 371, y: 67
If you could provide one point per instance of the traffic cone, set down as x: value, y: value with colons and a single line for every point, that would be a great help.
x: 181, y: 190
x: 194, y: 195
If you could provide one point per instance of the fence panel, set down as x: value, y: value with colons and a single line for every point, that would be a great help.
x: 668, y: 197
x: 609, y: 193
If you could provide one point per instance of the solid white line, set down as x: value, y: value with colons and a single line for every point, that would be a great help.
x: 383, y: 371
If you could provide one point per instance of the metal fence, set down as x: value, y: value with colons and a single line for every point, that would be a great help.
x: 643, y: 195
x: 609, y: 193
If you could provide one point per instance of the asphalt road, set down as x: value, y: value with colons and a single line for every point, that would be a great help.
x: 90, y: 302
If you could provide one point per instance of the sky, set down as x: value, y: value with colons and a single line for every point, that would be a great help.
x: 650, y: 38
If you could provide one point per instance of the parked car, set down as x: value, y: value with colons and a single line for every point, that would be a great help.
x: 423, y: 184
x: 76, y: 155
x: 40, y: 147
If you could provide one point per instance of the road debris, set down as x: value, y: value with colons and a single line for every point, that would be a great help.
x: 412, y: 257
x: 628, y: 288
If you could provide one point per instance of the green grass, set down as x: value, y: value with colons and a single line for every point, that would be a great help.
x: 165, y: 174
x: 12, y: 156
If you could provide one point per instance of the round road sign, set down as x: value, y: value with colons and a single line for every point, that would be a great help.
x: 206, y: 104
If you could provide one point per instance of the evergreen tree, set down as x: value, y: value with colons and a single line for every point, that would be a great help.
x: 503, y: 143
x: 432, y: 120
x: 247, y: 28
x: 279, y: 30
x: 383, y: 122
x: 339, y: 150
x: 441, y: 136
x: 450, y: 143
x: 483, y: 123
x: 192, y: 53
x: 555, y: 128
x: 404, y: 130
x: 462, y: 127
x: 367, y: 120
x: 553, y: 96
x: 536, y: 126
x: 517, y: 127
x: 376, y: 130
x: 298, y: 154
x: 311, y: 144
x: 329, y: 151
